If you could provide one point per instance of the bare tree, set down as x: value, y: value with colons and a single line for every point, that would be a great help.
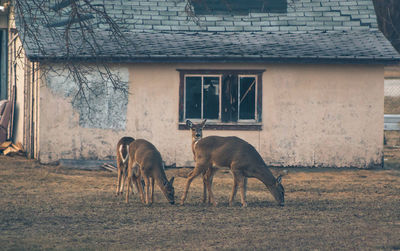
x: 388, y: 15
x: 74, y: 26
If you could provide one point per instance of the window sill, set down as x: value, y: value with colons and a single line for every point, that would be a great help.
x: 227, y: 126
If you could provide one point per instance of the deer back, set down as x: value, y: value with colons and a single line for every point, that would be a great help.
x: 145, y: 154
x: 149, y: 159
x: 240, y: 156
x: 123, y: 148
x: 223, y: 151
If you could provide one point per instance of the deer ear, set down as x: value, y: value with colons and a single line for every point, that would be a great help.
x: 203, y: 123
x: 279, y: 179
x: 189, y: 123
x: 171, y: 181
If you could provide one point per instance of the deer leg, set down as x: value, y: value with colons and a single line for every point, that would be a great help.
x: 131, y: 184
x: 139, y: 187
x: 196, y: 171
x: 208, y: 177
x: 139, y: 182
x: 124, y: 175
x: 204, y: 187
x: 213, y: 171
x: 243, y: 187
x: 209, y: 188
x: 130, y: 177
x: 234, y: 189
x: 119, y: 181
x: 126, y: 170
x: 152, y: 189
x: 147, y: 187
x: 135, y: 182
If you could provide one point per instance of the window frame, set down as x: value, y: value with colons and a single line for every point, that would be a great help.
x: 255, y: 99
x: 202, y: 95
x: 254, y: 125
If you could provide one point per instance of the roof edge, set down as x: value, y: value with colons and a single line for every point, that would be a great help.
x: 255, y: 59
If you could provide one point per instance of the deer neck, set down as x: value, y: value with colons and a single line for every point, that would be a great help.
x: 160, y: 178
x: 264, y: 174
x: 194, y: 142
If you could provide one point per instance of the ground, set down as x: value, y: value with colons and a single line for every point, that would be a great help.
x: 50, y: 207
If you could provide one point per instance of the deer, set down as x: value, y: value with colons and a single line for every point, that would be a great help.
x: 244, y: 162
x: 122, y: 162
x: 145, y: 163
x: 197, y: 134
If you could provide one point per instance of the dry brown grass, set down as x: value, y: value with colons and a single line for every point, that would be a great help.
x: 47, y: 207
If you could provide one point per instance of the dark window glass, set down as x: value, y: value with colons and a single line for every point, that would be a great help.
x: 193, y: 97
x: 211, y: 97
x: 227, y: 98
x: 207, y: 7
x: 247, y: 98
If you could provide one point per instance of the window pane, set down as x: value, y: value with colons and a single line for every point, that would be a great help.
x: 247, y: 101
x: 211, y: 97
x: 207, y: 7
x: 193, y: 97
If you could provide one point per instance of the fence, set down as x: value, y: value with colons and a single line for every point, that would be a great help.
x: 392, y: 96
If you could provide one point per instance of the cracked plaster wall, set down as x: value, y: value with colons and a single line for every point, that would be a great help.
x: 313, y: 115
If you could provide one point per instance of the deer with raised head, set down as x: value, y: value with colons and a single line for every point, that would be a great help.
x: 197, y: 134
x: 122, y: 162
x: 145, y: 163
x: 242, y: 159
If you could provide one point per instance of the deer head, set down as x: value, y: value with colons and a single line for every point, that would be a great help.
x: 278, y: 191
x: 169, y: 191
x: 197, y: 129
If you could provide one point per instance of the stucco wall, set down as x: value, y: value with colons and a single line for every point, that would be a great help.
x: 313, y: 115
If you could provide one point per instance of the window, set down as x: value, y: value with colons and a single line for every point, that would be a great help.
x: 228, y: 99
x: 240, y: 7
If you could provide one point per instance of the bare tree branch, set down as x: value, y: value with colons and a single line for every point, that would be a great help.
x: 65, y: 22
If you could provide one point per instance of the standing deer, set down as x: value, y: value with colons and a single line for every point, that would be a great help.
x: 145, y: 162
x: 197, y: 134
x: 122, y: 162
x: 242, y: 159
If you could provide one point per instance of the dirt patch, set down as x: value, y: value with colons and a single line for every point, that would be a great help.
x: 47, y: 207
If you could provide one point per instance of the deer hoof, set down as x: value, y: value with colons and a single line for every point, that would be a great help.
x: 214, y: 204
x: 244, y: 205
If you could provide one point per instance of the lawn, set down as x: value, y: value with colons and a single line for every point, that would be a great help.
x: 50, y: 207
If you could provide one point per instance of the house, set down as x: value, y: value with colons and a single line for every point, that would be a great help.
x: 302, y: 81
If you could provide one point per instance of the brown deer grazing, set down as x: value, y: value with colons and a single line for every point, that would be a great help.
x: 122, y: 162
x: 145, y: 162
x: 243, y: 161
x: 197, y: 134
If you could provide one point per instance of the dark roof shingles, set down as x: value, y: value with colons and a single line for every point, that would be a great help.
x: 323, y: 29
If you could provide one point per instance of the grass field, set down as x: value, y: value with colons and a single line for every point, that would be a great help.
x: 48, y: 207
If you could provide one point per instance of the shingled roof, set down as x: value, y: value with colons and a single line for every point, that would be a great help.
x: 161, y: 30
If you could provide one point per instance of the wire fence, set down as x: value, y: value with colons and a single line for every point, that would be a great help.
x: 392, y: 96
